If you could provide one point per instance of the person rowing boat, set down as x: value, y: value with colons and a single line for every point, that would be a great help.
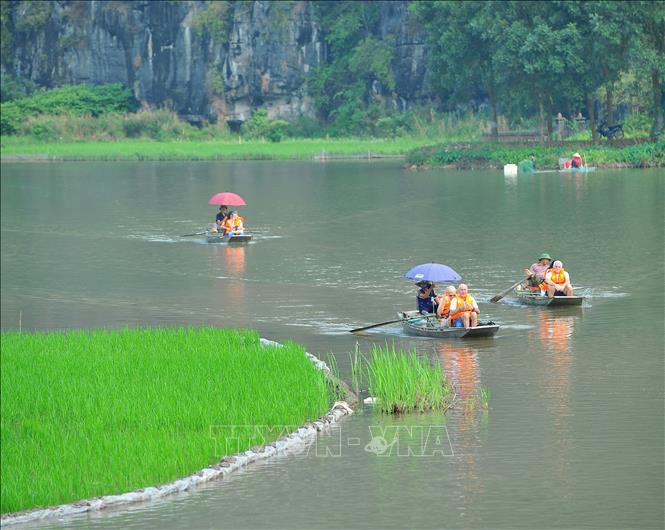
x: 536, y: 273
x: 220, y: 218
x: 426, y: 298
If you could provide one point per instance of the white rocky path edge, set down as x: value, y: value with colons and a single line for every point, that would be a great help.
x: 227, y: 465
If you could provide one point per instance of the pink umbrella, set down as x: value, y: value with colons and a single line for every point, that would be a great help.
x: 228, y: 198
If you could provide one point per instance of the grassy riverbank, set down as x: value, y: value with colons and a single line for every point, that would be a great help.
x: 102, y: 412
x: 495, y: 156
x: 239, y: 149
x: 419, y: 151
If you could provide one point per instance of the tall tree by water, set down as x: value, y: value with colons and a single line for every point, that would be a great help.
x: 647, y: 56
x: 463, y: 44
x: 539, y: 55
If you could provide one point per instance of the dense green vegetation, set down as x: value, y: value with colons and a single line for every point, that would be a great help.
x: 103, y: 412
x: 489, y: 155
x: 77, y: 100
x: 491, y: 65
x: 547, y: 56
x: 401, y: 381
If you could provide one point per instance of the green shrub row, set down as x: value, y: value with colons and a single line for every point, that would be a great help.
x: 72, y: 100
x: 159, y: 125
x: 648, y: 154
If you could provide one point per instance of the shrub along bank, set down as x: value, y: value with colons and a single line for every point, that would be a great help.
x: 103, y: 412
x: 478, y: 156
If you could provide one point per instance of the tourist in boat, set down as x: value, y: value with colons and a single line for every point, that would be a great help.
x: 426, y: 297
x: 558, y: 281
x: 536, y: 273
x: 463, y: 309
x: 220, y: 218
x: 233, y: 223
x: 576, y: 161
x: 443, y: 311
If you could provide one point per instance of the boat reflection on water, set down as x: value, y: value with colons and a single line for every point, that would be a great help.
x: 234, y: 259
x: 461, y: 366
x: 555, y: 334
x: 232, y: 286
x: 555, y: 331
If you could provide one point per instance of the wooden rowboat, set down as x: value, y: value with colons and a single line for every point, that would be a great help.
x: 232, y: 238
x: 584, y: 169
x: 528, y: 297
x: 420, y: 326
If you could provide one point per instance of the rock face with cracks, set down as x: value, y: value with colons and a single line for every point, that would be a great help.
x: 204, y: 60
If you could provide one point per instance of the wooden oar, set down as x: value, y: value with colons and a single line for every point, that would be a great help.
x: 196, y: 234
x: 391, y: 322
x: 499, y: 296
x: 377, y: 325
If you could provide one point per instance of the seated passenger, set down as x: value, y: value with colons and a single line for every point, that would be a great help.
x: 463, y: 309
x: 576, y: 161
x: 536, y: 273
x: 443, y: 311
x: 558, y: 281
x: 233, y: 223
x: 426, y: 297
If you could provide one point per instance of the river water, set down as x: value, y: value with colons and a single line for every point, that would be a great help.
x: 573, y: 436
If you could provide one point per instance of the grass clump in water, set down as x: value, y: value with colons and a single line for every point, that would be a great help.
x: 104, y: 412
x: 405, y: 382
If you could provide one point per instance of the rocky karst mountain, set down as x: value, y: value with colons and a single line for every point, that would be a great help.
x: 202, y: 59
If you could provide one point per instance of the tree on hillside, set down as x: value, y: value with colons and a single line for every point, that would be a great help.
x: 357, y: 60
x: 462, y: 42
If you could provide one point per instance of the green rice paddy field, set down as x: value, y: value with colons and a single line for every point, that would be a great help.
x: 88, y: 413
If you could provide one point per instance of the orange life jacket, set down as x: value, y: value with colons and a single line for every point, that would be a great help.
x: 230, y: 225
x: 540, y: 287
x: 559, y: 278
x: 446, y: 307
x: 468, y: 300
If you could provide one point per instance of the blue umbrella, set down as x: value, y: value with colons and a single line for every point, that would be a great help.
x: 433, y: 272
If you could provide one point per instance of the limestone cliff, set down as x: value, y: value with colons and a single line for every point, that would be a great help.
x: 204, y: 60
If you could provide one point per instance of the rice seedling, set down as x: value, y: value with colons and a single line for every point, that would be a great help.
x: 335, y: 388
x: 405, y: 382
x: 89, y: 413
x: 484, y: 397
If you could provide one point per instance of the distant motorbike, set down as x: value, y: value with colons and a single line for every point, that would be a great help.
x: 610, y: 132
